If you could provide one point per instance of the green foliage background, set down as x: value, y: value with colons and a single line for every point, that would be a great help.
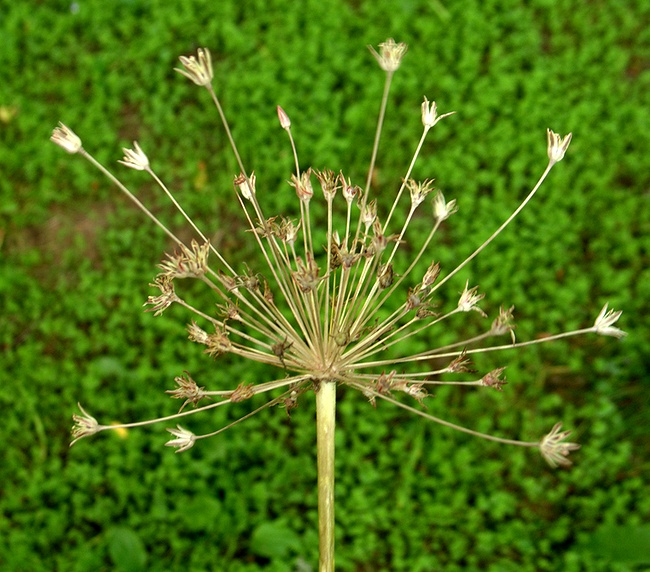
x: 76, y: 259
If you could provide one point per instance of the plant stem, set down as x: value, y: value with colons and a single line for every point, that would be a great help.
x: 325, y: 422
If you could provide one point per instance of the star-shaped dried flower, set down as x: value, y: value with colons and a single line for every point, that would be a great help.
x: 188, y: 390
x: 165, y: 299
x: 494, y: 379
x: 469, y: 300
x: 135, y: 158
x: 187, y: 263
x: 199, y: 71
x: 604, y: 323
x: 554, y: 449
x: 84, y: 425
x: 184, y: 439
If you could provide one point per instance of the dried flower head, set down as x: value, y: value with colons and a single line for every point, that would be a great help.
x: 183, y: 441
x: 187, y: 262
x: 336, y: 300
x: 555, y: 449
x: 442, y: 209
x: 557, y: 145
x: 198, y: 70
x: 469, y: 299
x: 135, y: 158
x: 167, y: 297
x: 430, y: 114
x: 246, y: 185
x: 604, y: 324
x: 188, y: 390
x: 64, y: 137
x: 84, y: 425
x: 390, y: 54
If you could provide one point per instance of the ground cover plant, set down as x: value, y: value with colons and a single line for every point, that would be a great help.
x: 260, y: 483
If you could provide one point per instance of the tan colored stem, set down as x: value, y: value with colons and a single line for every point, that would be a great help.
x: 325, y: 424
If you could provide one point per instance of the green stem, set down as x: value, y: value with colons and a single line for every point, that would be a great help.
x: 325, y: 423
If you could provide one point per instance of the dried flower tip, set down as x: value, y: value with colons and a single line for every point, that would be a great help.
x: 441, y: 209
x: 303, y: 187
x: 184, y: 439
x: 230, y: 311
x: 430, y: 114
x: 246, y: 185
x: 504, y: 323
x: 557, y: 145
x: 285, y: 122
x: 200, y: 72
x: 64, y: 137
x: 188, y: 263
x: 431, y: 275
x: 329, y: 182
x: 415, y: 390
x: 385, y: 276
x: 469, y: 298
x: 413, y: 298
x: 390, y: 54
x: 280, y: 349
x: 289, y: 231
x: 369, y: 214
x: 135, y: 158
x: 554, y: 449
x: 84, y: 425
x: 604, y: 323
x: 306, y: 276
x: 419, y: 191
x: 167, y: 298
x: 188, y: 390
x: 291, y: 402
x: 218, y: 343
x: 384, y: 383
x: 493, y: 379
x: 380, y: 241
x: 349, y: 192
x: 244, y: 391
x: 197, y: 334
x: 461, y: 364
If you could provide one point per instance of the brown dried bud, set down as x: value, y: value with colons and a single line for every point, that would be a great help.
x: 385, y: 276
x: 188, y: 390
x: 242, y: 393
x: 493, y: 379
x: 218, y: 343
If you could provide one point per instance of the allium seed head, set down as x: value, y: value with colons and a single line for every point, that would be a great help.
x: 555, y: 449
x: 183, y: 441
x: 430, y: 114
x: 199, y: 71
x: 135, y: 158
x: 64, y: 137
x: 390, y: 54
x: 557, y: 145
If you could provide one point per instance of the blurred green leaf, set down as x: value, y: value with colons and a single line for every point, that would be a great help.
x: 274, y: 540
x: 126, y: 549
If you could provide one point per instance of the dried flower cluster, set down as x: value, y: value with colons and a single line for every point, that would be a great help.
x: 334, y: 305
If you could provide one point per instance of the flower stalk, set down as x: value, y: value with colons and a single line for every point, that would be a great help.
x: 325, y: 425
